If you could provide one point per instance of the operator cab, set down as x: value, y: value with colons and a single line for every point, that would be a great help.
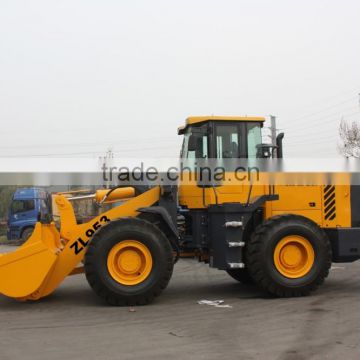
x: 222, y: 137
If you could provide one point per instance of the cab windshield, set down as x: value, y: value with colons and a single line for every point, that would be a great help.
x: 223, y: 141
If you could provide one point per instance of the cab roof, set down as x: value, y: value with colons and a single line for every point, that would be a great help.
x: 200, y: 119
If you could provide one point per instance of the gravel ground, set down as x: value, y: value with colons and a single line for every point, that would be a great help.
x: 74, y: 324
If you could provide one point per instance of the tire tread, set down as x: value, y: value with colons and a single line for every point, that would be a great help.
x: 101, y: 289
x: 255, y: 256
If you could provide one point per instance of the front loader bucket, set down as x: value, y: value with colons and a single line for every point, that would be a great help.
x: 24, y: 271
x: 37, y: 268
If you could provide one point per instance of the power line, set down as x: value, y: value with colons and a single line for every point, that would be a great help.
x: 94, y: 153
x: 334, y: 96
x: 327, y: 116
x: 325, y: 119
x: 104, y: 143
x: 322, y: 140
x: 313, y: 132
x: 325, y: 109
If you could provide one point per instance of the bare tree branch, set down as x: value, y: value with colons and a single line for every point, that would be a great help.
x: 350, y: 138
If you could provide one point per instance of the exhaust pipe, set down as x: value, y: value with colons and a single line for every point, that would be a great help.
x: 279, y: 144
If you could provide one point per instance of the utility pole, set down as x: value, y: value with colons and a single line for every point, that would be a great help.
x: 273, y: 134
x: 273, y: 130
x: 107, y: 160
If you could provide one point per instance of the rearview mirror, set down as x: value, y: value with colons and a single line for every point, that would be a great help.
x: 264, y: 151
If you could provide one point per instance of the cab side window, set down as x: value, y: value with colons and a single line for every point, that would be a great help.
x: 253, y: 140
x: 227, y: 142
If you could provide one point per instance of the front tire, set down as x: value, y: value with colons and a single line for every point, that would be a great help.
x: 289, y: 255
x: 129, y: 262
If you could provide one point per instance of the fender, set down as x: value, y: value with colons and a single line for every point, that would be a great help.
x: 165, y: 216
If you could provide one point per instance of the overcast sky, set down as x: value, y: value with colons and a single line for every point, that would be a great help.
x: 82, y: 76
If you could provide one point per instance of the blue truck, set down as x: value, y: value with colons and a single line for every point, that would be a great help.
x: 26, y: 206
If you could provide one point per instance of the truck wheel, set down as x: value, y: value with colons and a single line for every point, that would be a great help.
x: 26, y: 233
x: 129, y: 262
x: 289, y: 255
x: 241, y: 275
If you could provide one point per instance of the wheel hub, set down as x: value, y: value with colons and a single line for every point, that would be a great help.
x: 294, y: 256
x: 129, y: 262
x: 291, y: 255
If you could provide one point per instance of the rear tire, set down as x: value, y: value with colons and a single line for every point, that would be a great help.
x: 241, y: 275
x: 109, y: 272
x: 276, y: 269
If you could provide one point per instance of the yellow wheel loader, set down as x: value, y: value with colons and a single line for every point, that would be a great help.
x: 282, y: 238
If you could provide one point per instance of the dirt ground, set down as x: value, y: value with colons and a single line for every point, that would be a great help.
x: 74, y: 324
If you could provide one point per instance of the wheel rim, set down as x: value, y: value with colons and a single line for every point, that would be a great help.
x: 129, y: 262
x: 294, y: 256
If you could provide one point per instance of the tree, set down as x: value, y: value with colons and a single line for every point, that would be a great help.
x: 6, y: 193
x: 350, y: 138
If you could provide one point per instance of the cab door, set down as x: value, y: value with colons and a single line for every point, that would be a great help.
x: 229, y: 147
x: 236, y: 148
